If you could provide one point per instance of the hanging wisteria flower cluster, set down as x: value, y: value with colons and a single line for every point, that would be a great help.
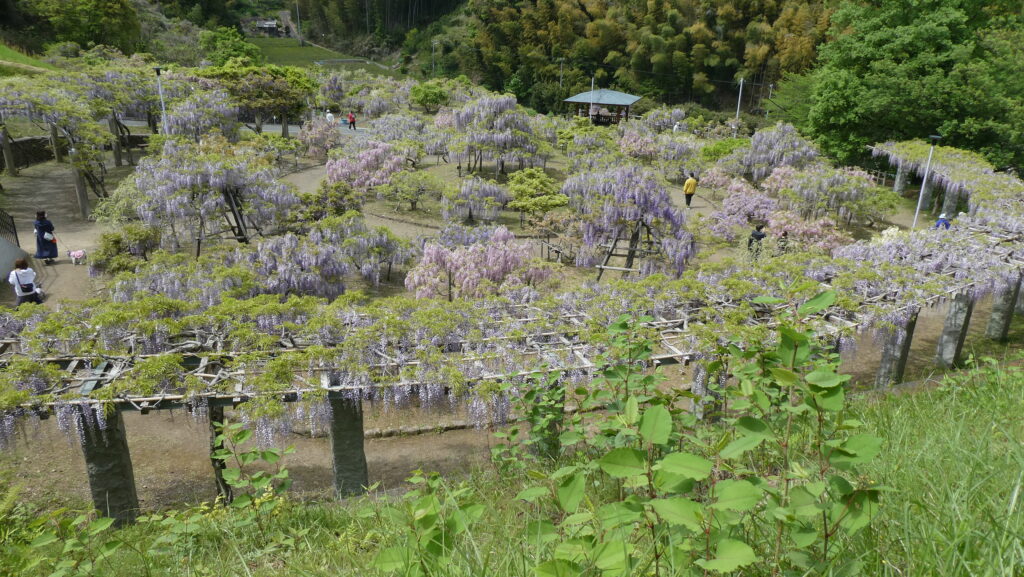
x: 374, y: 165
x: 614, y: 203
x: 819, y: 190
x: 477, y: 198
x: 319, y: 136
x: 743, y: 206
x: 769, y: 149
x: 203, y: 112
x: 189, y: 189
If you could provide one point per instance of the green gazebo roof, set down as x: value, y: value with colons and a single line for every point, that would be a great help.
x: 604, y: 96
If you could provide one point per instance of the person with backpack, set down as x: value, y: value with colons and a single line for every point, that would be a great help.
x: 23, y: 279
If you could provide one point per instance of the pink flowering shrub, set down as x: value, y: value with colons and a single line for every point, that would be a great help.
x: 819, y: 235
x: 494, y: 266
x: 743, y: 206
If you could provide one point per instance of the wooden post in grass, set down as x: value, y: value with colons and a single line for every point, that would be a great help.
x: 350, y: 473
x: 954, y: 330
x: 1003, y: 304
x: 112, y: 123
x: 223, y: 489
x: 109, y: 464
x: 895, y: 351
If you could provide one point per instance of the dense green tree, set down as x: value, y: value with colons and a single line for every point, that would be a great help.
x: 91, y: 22
x: 225, y: 44
x: 904, y: 69
x: 430, y: 95
x: 265, y: 91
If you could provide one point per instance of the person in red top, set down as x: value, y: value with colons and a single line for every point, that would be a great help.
x: 351, y: 121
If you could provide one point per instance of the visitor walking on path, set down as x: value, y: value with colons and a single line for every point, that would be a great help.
x: 46, y: 242
x: 943, y: 222
x: 351, y: 121
x: 23, y: 279
x: 754, y: 242
x: 689, y: 189
x: 330, y: 117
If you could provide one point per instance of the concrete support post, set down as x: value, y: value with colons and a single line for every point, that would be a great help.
x: 350, y: 473
x: 1003, y: 304
x: 895, y: 351
x: 950, y: 202
x: 900, y: 183
x: 109, y: 464
x: 223, y: 489
x: 58, y: 153
x: 954, y: 331
x: 112, y: 123
x: 926, y: 194
x: 5, y: 143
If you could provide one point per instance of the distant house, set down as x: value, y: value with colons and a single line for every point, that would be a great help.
x: 603, y: 106
x: 267, y: 27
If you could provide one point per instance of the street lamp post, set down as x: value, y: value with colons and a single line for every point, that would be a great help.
x: 934, y: 138
x: 163, y: 106
x: 298, y: 24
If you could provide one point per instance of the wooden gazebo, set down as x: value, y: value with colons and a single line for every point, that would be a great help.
x: 603, y: 106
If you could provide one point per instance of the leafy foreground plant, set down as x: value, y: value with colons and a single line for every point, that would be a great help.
x: 632, y: 483
x: 771, y: 488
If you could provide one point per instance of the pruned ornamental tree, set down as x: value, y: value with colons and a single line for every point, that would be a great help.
x: 411, y: 187
x: 264, y: 92
x: 534, y: 193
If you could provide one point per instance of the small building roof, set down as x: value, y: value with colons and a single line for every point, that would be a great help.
x: 604, y: 96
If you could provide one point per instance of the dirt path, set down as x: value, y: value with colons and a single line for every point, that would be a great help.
x: 49, y: 186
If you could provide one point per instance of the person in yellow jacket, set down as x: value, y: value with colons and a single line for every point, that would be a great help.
x: 689, y: 189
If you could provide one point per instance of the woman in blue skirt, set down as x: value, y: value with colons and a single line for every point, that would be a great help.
x: 46, y: 242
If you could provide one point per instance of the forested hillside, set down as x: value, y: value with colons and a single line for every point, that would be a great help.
x: 846, y: 73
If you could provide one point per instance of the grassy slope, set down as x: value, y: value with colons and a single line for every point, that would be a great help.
x: 13, y: 62
x: 287, y: 52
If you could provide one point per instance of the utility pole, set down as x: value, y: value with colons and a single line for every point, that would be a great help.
x: 771, y: 88
x: 739, y: 100
x: 924, y: 182
x: 561, y: 63
x: 591, y: 111
x: 433, y: 67
x: 298, y: 23
x: 163, y: 107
